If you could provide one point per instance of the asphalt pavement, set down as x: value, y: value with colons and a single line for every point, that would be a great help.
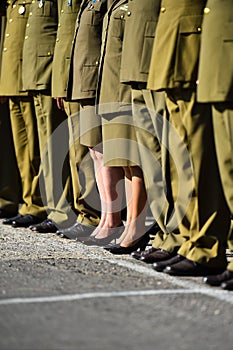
x: 58, y: 294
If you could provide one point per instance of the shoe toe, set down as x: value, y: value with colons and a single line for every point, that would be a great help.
x: 136, y: 255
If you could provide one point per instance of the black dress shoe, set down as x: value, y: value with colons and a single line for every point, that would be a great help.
x: 138, y: 254
x: 228, y: 285
x: 76, y: 231
x: 140, y: 243
x: 111, y: 245
x: 46, y: 226
x: 25, y: 221
x: 187, y: 267
x: 161, y: 265
x: 5, y: 214
x: 10, y: 220
x: 116, y: 232
x: 217, y: 280
x: 157, y: 255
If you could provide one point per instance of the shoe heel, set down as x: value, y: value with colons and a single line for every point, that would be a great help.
x: 144, y: 243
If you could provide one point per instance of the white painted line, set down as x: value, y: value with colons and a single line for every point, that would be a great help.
x: 74, y: 297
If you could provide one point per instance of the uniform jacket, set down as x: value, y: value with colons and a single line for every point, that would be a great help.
x: 61, y: 61
x: 11, y: 70
x: 86, y: 50
x: 2, y: 34
x: 39, y: 45
x: 111, y: 94
x: 174, y: 60
x: 140, y: 26
x: 215, y: 80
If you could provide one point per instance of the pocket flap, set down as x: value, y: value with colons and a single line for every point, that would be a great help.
x: 191, y: 24
x: 228, y: 32
x: 150, y: 28
x: 45, y: 50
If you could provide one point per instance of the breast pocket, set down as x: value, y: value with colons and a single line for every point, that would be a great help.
x: 118, y: 24
x: 93, y: 15
x: 147, y: 46
x: 23, y: 9
x: 187, y: 49
x: 46, y: 9
x: 225, y: 65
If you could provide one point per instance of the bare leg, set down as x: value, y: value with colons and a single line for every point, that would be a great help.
x: 110, y: 184
x: 136, y: 206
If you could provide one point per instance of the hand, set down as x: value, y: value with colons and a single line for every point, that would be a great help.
x: 3, y: 99
x: 60, y: 103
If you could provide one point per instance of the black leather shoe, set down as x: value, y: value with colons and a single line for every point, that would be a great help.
x: 157, y: 255
x: 161, y: 265
x: 111, y: 245
x: 140, y: 243
x: 46, y: 226
x: 228, y: 285
x: 138, y: 254
x: 116, y: 232
x: 5, y: 214
x: 187, y: 267
x: 76, y: 231
x: 25, y: 221
x: 217, y: 280
x: 10, y: 220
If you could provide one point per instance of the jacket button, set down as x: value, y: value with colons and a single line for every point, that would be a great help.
x: 163, y: 9
x: 206, y: 10
x: 129, y: 13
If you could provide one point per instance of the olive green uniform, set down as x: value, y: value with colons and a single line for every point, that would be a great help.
x: 38, y: 50
x: 82, y: 188
x: 9, y: 175
x: 113, y: 97
x: 140, y: 30
x: 84, y: 68
x: 215, y: 86
x: 200, y: 212
x: 22, y: 111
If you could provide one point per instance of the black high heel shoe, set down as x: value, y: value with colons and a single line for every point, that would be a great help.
x: 100, y: 242
x: 111, y: 245
x: 141, y: 244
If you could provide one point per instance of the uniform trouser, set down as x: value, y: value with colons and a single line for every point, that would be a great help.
x: 151, y: 120
x: 54, y: 150
x: 10, y: 186
x: 25, y: 136
x: 205, y: 222
x: 223, y: 134
x: 82, y: 171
